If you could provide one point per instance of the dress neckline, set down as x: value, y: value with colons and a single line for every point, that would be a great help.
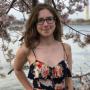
x: 48, y: 64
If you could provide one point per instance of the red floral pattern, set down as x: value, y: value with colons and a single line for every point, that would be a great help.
x: 43, y: 70
x: 57, y: 71
x: 39, y: 64
x: 47, y: 76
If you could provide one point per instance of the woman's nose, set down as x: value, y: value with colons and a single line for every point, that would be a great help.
x: 45, y: 23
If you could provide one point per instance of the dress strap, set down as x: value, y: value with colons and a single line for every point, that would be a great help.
x: 34, y: 53
x: 65, y: 53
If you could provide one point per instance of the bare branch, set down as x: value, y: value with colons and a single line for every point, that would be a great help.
x: 11, y: 5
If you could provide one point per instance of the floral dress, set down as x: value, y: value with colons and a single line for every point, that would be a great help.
x: 49, y: 78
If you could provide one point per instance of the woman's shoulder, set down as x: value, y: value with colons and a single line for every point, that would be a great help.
x: 23, y: 49
x: 66, y: 46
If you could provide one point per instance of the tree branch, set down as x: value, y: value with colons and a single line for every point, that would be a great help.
x: 26, y: 4
x: 11, y: 5
x: 54, y: 4
x: 74, y: 29
x: 79, y: 76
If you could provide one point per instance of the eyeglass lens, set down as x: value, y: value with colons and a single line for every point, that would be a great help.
x: 49, y: 20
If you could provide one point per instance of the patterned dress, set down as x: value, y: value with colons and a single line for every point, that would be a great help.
x: 49, y: 78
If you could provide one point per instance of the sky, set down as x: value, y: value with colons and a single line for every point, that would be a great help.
x: 77, y: 15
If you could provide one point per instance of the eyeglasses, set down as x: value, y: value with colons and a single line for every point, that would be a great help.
x: 49, y: 20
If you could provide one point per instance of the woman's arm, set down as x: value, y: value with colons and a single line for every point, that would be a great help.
x: 68, y: 80
x: 19, y: 62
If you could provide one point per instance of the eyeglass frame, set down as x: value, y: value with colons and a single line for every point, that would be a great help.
x: 49, y: 20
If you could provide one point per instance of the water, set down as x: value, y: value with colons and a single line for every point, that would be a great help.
x: 81, y: 60
x: 80, y: 56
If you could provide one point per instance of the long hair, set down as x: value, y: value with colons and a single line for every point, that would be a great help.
x: 31, y: 36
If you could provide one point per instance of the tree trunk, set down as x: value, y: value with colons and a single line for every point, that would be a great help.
x: 34, y: 3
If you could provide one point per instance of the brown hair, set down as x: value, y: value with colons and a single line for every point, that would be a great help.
x: 31, y: 36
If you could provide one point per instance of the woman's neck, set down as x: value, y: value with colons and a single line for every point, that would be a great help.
x: 47, y: 41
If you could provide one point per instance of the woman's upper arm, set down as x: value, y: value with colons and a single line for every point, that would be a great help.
x: 20, y: 58
x: 69, y: 55
x: 68, y: 81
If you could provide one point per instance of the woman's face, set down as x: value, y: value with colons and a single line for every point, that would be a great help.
x: 45, y: 23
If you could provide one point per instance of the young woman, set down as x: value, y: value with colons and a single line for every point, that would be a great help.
x: 50, y: 59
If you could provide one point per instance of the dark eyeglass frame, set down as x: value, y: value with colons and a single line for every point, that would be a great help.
x: 49, y: 20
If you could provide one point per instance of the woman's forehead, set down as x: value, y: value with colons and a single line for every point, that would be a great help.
x: 44, y: 13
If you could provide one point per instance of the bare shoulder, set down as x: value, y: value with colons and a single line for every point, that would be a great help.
x: 69, y: 54
x: 23, y: 49
x: 21, y: 56
x: 67, y: 47
x: 22, y: 53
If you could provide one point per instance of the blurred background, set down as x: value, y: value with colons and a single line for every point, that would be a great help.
x: 75, y: 16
